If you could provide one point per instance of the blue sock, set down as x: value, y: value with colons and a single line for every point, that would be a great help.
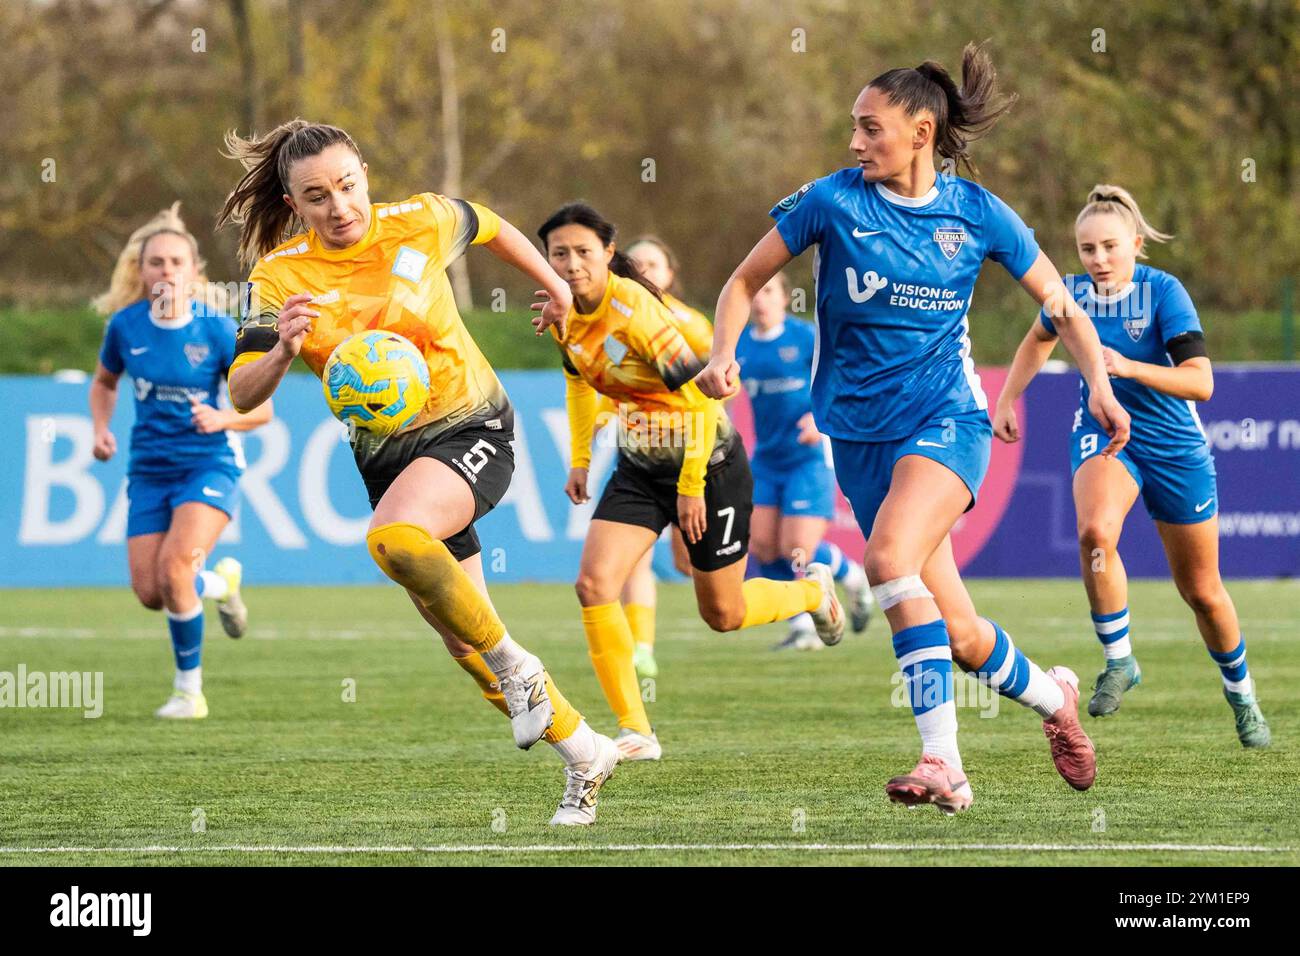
x: 1007, y: 668
x: 778, y: 570
x: 1013, y: 675
x: 831, y: 556
x: 1112, y: 631
x: 925, y: 659
x: 1232, y: 665
x: 187, y: 637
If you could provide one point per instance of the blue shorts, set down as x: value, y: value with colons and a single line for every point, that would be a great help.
x: 153, y: 500
x: 1180, y: 490
x: 960, y: 442
x: 805, y: 490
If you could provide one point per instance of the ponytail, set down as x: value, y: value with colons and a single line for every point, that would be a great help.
x: 961, y: 114
x: 1118, y: 201
x: 581, y: 214
x: 257, y: 203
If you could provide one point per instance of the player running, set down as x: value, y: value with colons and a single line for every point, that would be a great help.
x: 1155, y: 350
x: 184, y: 464
x: 680, y: 461
x: 363, y: 265
x: 794, y: 484
x: 899, y: 249
x: 655, y: 260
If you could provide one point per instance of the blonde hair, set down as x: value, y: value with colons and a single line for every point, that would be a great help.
x: 1117, y: 201
x: 127, y: 285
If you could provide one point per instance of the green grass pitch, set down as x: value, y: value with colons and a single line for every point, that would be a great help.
x: 769, y: 758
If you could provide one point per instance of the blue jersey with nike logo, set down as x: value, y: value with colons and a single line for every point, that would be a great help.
x: 894, y: 281
x: 1137, y: 322
x: 169, y: 363
x: 776, y: 370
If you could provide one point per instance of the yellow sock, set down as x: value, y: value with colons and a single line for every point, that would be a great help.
x: 475, y: 667
x: 609, y: 642
x: 767, y: 600
x: 411, y: 557
x: 641, y: 618
x: 566, y: 719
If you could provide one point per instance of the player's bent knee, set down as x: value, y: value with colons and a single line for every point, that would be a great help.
x: 1098, y: 534
x: 884, y: 561
x: 763, y: 551
x: 596, y: 589
x: 1205, y: 600
x: 410, y: 556
x: 722, y: 617
x: 148, y: 598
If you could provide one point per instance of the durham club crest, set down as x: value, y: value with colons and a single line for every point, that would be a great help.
x: 196, y: 352
x: 950, y: 241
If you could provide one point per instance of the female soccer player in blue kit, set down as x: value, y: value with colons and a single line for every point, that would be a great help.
x: 1155, y: 350
x: 899, y: 249
x: 794, y: 484
x: 184, y: 468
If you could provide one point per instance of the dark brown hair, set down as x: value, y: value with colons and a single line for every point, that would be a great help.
x: 581, y: 214
x: 961, y: 115
x: 257, y: 203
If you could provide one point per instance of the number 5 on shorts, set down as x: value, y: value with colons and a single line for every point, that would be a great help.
x: 477, y: 456
x: 1087, y: 444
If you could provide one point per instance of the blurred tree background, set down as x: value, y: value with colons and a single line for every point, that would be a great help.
x: 686, y: 118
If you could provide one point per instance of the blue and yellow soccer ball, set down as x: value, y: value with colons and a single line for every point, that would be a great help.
x: 376, y: 382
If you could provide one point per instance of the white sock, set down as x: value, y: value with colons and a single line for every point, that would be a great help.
x: 214, y: 586
x: 802, y: 622
x: 190, y: 681
x: 938, y: 729
x: 578, y: 749
x: 1042, y: 695
x: 505, y: 657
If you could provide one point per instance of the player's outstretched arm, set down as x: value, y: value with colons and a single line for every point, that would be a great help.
x: 252, y: 383
x: 512, y: 247
x: 1077, y: 333
x: 1034, y: 350
x: 721, y: 377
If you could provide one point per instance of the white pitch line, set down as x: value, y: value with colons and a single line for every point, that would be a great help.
x: 677, y: 847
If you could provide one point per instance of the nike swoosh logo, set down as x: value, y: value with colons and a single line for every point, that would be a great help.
x: 858, y: 233
x: 930, y: 444
x: 211, y: 492
x: 1203, y: 505
x: 140, y: 351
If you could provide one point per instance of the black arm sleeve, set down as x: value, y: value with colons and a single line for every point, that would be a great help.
x: 259, y: 333
x: 1185, y: 346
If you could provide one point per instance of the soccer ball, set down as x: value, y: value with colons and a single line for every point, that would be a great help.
x: 376, y: 382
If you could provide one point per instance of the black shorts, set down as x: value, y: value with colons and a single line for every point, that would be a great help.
x: 482, y: 455
x: 637, y: 497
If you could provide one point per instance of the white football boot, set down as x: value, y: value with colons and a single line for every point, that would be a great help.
x: 234, y: 615
x: 578, y: 805
x: 633, y: 746
x: 861, y: 602
x: 531, y: 710
x: 182, y: 705
x: 829, y: 616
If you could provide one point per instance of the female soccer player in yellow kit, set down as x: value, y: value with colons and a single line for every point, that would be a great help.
x: 680, y: 461
x: 655, y: 260
x: 363, y: 265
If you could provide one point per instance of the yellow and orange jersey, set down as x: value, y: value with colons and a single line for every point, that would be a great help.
x: 631, y: 351
x: 694, y: 324
x: 695, y: 328
x: 394, y: 278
